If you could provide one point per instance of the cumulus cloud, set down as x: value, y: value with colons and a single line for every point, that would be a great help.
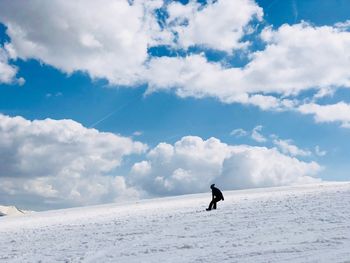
x: 8, y: 72
x: 296, y: 58
x: 191, y: 164
x: 193, y: 23
x: 339, y: 112
x: 287, y: 147
x: 106, y: 39
x: 301, y: 57
x: 110, y: 39
x: 186, y: 167
x: 61, y: 162
x: 263, y: 167
x: 195, y: 76
x: 343, y: 25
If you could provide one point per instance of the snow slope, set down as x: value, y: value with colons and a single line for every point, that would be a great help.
x: 308, y: 223
x: 10, y: 211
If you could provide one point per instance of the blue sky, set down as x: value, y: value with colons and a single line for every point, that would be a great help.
x: 126, y: 108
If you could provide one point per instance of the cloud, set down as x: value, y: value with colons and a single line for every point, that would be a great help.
x: 287, y: 147
x: 8, y: 72
x: 110, y: 39
x: 194, y: 76
x: 137, y: 133
x: 59, y: 163
x: 193, y: 23
x: 296, y: 58
x: 339, y: 112
x: 115, y: 47
x: 62, y: 163
x: 301, y: 57
x: 256, y: 135
x: 106, y: 39
x: 343, y: 25
x: 263, y: 167
x: 319, y: 152
x: 57, y: 94
x: 192, y: 164
x: 239, y: 133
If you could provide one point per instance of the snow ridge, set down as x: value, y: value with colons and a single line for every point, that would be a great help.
x: 10, y: 211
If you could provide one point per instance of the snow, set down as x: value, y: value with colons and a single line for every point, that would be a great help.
x: 309, y: 223
x: 11, y: 211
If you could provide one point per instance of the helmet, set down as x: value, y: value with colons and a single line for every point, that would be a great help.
x: 212, y: 186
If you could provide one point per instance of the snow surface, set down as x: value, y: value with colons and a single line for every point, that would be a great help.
x: 10, y: 211
x: 308, y: 223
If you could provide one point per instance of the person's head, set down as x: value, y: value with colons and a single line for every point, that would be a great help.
x: 212, y: 186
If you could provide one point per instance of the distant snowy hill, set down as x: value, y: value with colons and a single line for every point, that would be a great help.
x: 11, y: 211
x: 309, y: 223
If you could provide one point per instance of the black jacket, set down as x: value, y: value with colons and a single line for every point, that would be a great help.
x: 217, y: 193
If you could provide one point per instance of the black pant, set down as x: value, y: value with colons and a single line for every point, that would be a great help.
x: 213, y: 202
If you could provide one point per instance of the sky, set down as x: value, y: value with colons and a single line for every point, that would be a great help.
x: 119, y: 100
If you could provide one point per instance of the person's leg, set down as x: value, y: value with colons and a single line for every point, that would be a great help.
x: 211, y: 205
x: 215, y: 201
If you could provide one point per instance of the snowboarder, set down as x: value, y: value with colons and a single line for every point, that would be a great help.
x: 216, y: 197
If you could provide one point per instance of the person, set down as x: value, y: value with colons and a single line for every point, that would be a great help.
x: 216, y: 197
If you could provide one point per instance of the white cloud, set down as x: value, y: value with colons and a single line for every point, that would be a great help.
x: 239, y: 133
x: 193, y: 23
x: 191, y: 76
x: 256, y: 135
x: 300, y: 57
x: 61, y: 162
x: 106, y: 39
x: 287, y: 147
x: 57, y: 94
x: 319, y: 152
x: 296, y: 58
x: 339, y: 112
x: 141, y: 168
x: 186, y: 167
x: 194, y: 76
x: 192, y: 164
x: 110, y: 39
x: 343, y: 25
x: 137, y: 133
x: 52, y: 163
x: 263, y: 167
x: 8, y: 72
